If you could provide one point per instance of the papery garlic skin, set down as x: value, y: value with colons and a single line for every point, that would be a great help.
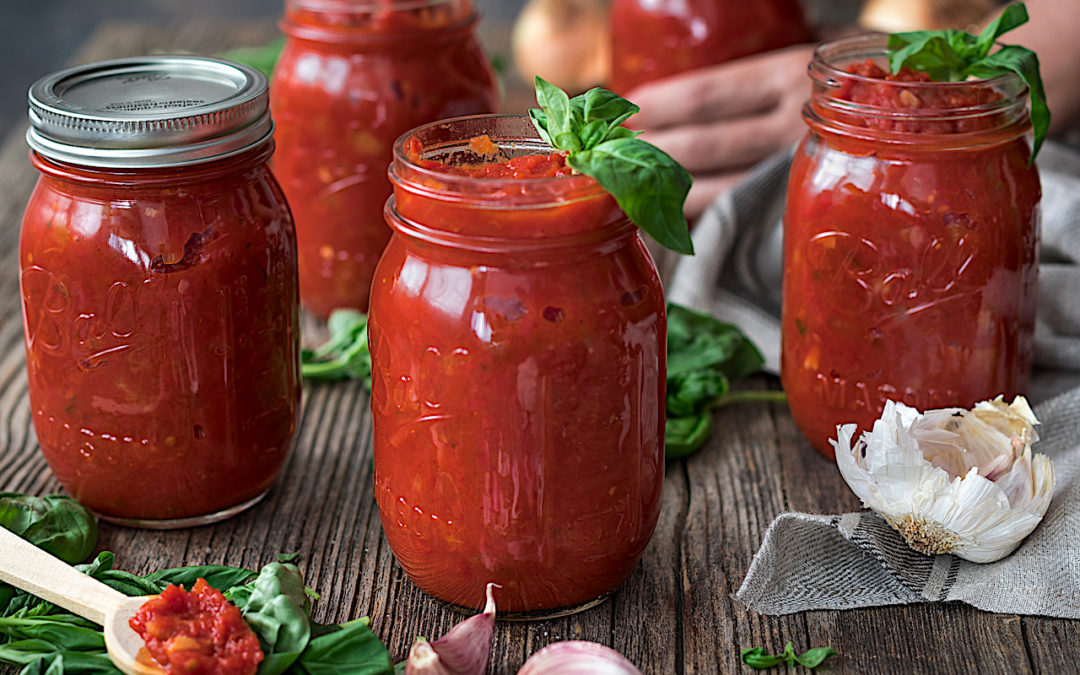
x: 952, y: 480
x: 578, y: 657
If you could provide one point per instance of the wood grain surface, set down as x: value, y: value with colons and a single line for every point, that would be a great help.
x: 675, y: 614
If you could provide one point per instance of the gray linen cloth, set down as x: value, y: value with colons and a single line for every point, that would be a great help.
x: 856, y: 560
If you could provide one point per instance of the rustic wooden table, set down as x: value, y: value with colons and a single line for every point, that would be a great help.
x: 675, y: 613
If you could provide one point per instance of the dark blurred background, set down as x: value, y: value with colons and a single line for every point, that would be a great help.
x: 40, y: 36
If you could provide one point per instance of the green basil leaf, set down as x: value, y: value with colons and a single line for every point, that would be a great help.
x: 568, y: 140
x: 603, y: 105
x: 621, y: 132
x: 128, y: 583
x: 685, y: 435
x: 592, y: 134
x: 539, y: 119
x: 696, y: 340
x: 556, y: 104
x: 690, y: 393
x: 54, y: 523
x: 104, y: 561
x: 648, y: 185
x: 812, y: 658
x: 757, y: 657
x: 1013, y: 16
x: 64, y: 635
x: 218, y: 576
x: 345, y: 354
x: 928, y: 51
x: 350, y: 648
x: 1024, y: 63
x: 279, y: 612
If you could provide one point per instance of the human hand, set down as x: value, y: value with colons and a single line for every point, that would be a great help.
x: 718, y: 121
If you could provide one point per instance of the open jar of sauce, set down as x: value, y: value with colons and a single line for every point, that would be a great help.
x: 159, y: 293
x: 354, y: 75
x: 653, y: 39
x: 517, y: 335
x: 910, y: 243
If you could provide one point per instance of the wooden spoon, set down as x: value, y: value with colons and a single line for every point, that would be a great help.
x: 28, y: 567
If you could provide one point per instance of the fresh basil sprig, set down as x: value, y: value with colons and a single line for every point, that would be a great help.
x: 648, y: 185
x: 705, y: 356
x: 55, y: 523
x: 955, y: 55
x: 345, y: 354
x: 759, y: 658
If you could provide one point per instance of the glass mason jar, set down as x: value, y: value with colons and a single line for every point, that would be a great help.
x: 159, y: 293
x: 518, y: 346
x: 355, y: 75
x: 652, y: 39
x: 910, y: 244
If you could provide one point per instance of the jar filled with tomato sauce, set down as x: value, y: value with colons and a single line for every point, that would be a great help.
x: 910, y: 242
x: 653, y: 39
x: 159, y: 292
x: 517, y: 335
x: 354, y: 75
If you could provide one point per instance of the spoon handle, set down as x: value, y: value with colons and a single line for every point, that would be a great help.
x: 26, y: 566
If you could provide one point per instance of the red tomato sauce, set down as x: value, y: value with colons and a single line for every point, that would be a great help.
x: 517, y: 337
x: 522, y: 167
x: 654, y: 39
x: 910, y: 254
x: 348, y: 84
x: 197, y: 633
x: 161, y: 334
x: 870, y: 89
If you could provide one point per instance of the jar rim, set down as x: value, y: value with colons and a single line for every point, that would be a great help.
x: 825, y: 71
x: 517, y: 132
x: 1000, y: 113
x: 460, y: 22
x: 149, y: 111
x: 368, y: 6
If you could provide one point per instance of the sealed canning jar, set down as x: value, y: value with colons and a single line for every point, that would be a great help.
x: 355, y: 75
x: 910, y: 242
x: 517, y: 343
x: 652, y: 39
x: 158, y: 276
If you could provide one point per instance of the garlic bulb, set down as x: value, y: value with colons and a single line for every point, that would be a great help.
x: 578, y: 657
x: 952, y: 480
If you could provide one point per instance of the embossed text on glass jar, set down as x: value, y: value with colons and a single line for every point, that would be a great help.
x: 910, y: 244
x: 158, y: 274
x: 517, y: 341
x: 652, y: 39
x: 353, y: 77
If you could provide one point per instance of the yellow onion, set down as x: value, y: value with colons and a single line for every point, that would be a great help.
x: 566, y: 42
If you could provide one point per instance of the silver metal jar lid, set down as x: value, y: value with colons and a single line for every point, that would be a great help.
x: 149, y: 111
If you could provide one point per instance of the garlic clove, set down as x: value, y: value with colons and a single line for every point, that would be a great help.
x: 952, y: 480
x: 578, y: 657
x: 464, y: 650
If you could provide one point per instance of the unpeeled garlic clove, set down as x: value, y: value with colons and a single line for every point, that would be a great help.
x: 464, y: 650
x: 951, y: 480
